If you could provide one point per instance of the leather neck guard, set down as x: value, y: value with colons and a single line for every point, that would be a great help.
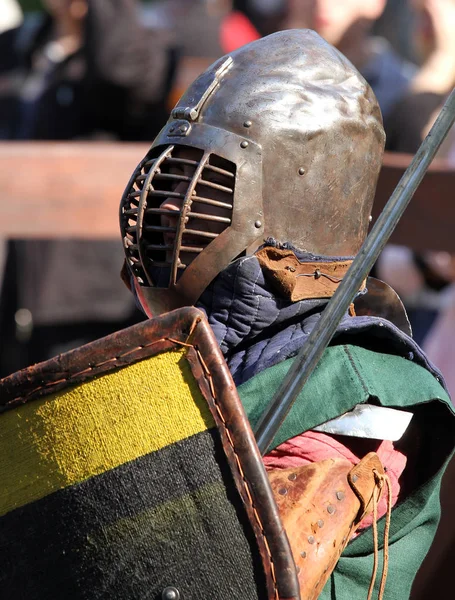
x: 296, y: 280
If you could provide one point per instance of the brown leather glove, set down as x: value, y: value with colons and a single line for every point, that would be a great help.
x: 321, y: 505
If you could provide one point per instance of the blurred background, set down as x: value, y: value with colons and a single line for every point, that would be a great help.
x: 85, y: 85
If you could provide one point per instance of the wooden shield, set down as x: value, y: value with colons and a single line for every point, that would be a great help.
x: 128, y: 470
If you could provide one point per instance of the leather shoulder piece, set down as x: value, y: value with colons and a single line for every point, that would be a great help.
x: 380, y: 300
x: 219, y: 416
x: 321, y: 505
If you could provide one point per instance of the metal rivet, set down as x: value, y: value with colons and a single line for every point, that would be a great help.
x: 331, y: 509
x: 303, y: 554
x: 317, y: 274
x: 170, y: 593
x: 311, y: 539
x: 283, y: 491
x: 370, y: 218
x: 301, y: 171
x: 258, y: 224
x: 247, y: 124
x: 289, y: 268
x: 292, y: 477
x: 171, y: 129
x: 320, y: 523
x: 244, y: 144
x: 193, y: 114
x: 183, y: 128
x: 354, y: 478
x: 340, y: 495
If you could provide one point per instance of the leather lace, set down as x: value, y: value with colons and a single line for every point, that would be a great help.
x: 380, y: 480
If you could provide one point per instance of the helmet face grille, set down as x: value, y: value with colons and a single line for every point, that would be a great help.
x: 129, y: 208
x: 177, y: 203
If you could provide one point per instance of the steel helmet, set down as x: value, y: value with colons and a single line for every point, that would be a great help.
x: 282, y: 138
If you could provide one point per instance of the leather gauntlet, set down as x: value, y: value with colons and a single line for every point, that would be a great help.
x: 321, y: 505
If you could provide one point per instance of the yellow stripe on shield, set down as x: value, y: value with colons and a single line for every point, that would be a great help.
x: 65, y: 438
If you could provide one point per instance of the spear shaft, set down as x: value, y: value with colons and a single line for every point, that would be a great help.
x: 310, y: 354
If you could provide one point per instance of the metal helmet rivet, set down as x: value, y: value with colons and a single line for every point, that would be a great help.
x: 258, y: 224
x: 248, y: 124
x: 244, y: 144
x: 301, y: 171
x: 170, y: 593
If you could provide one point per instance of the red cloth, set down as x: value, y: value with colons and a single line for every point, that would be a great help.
x: 237, y: 30
x: 312, y: 446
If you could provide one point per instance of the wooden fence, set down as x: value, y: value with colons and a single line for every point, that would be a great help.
x: 73, y: 189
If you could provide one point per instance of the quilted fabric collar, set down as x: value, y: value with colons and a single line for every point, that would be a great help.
x: 256, y: 329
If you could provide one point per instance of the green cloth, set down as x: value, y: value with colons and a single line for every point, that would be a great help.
x: 349, y: 375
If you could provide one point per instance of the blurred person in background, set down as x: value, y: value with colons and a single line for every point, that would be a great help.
x: 426, y: 281
x: 434, y: 41
x: 248, y: 20
x: 395, y: 24
x: 347, y: 25
x: 10, y: 15
x: 85, y: 69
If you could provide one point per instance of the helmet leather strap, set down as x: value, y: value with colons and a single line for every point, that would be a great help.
x: 296, y: 280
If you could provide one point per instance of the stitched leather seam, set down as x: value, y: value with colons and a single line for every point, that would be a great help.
x: 239, y: 466
x: 79, y: 373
